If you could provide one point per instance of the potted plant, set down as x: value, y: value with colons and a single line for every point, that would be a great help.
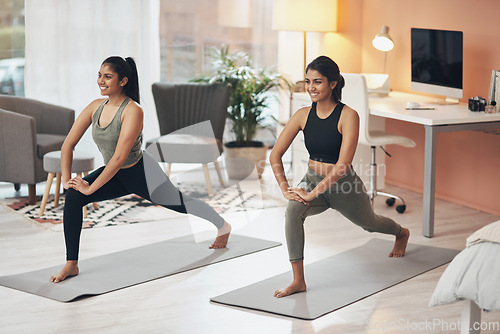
x: 249, y: 99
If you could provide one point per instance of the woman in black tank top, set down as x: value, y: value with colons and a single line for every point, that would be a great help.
x: 331, y: 134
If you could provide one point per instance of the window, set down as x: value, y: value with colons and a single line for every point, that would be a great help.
x: 189, y: 27
x: 12, y: 47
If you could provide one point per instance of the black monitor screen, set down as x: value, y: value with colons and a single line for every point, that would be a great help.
x: 437, y: 57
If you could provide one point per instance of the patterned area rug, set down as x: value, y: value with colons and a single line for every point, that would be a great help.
x: 132, y: 209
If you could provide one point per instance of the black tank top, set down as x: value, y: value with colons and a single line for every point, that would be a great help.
x: 322, y: 137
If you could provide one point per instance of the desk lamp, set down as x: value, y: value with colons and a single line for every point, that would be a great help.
x: 383, y: 42
x: 295, y: 15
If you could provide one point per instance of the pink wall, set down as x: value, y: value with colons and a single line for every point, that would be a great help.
x: 468, y: 163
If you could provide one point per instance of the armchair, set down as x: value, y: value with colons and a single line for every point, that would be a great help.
x: 192, y: 117
x: 28, y: 130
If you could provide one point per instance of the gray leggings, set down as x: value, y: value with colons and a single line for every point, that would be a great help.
x: 348, y: 196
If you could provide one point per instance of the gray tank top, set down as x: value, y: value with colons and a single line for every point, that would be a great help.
x: 106, y: 138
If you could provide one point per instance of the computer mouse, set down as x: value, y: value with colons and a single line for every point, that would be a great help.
x: 410, y: 105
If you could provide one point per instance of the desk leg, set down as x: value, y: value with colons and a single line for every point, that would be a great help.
x: 429, y: 182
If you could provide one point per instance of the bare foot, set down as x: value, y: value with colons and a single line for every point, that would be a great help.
x: 70, y: 269
x: 400, y: 244
x: 222, y: 236
x: 293, y: 288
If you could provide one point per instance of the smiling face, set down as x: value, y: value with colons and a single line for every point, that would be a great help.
x: 109, y: 82
x: 318, y: 87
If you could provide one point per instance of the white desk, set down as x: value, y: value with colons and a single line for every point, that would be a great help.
x: 445, y: 118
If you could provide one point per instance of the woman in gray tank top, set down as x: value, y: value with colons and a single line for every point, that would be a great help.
x: 117, y: 123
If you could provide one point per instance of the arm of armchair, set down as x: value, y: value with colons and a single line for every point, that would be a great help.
x: 50, y: 118
x: 17, y: 147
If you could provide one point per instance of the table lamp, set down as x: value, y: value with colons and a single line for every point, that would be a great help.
x: 295, y: 15
x: 383, y: 42
x: 234, y: 13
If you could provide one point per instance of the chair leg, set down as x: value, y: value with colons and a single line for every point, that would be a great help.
x: 58, y: 190
x: 169, y: 167
x: 207, y: 179
x: 219, y: 173
x: 31, y: 194
x: 45, y: 197
x: 373, y: 192
x: 381, y: 193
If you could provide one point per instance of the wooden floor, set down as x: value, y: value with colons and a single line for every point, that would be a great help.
x: 180, y: 303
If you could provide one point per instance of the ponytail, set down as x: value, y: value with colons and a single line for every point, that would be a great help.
x: 132, y: 87
x: 328, y: 68
x: 126, y: 68
x: 337, y: 90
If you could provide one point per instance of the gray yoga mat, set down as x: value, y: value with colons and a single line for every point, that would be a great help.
x: 133, y: 266
x: 339, y: 280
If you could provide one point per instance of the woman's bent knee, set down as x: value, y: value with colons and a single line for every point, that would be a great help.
x: 295, y: 209
x: 73, y: 197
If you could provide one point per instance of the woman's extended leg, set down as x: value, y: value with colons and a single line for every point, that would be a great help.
x: 201, y: 209
x: 349, y: 197
x: 148, y: 180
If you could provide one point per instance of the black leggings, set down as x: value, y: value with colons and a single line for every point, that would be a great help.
x: 130, y: 181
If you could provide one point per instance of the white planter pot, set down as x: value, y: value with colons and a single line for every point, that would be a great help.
x: 241, y: 161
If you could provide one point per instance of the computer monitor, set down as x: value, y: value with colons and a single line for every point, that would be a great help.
x: 437, y: 62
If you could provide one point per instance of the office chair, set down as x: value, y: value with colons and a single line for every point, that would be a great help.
x: 355, y: 95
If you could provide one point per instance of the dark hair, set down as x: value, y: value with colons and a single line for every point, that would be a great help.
x: 330, y: 70
x: 125, y: 68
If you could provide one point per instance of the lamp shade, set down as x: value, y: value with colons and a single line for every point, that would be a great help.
x: 305, y: 15
x: 383, y: 41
